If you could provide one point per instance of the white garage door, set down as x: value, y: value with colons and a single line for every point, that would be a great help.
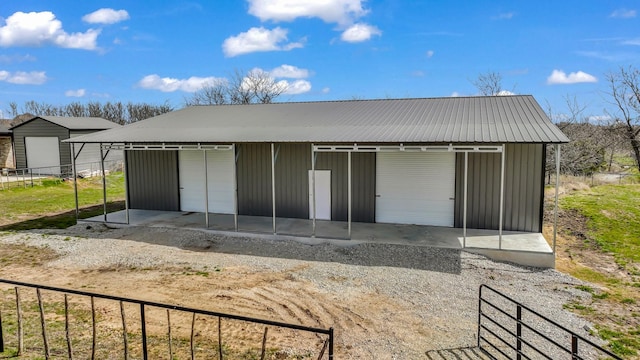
x: 415, y: 188
x: 219, y: 178
x: 43, y: 154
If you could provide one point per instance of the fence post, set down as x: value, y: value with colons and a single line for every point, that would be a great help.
x: 519, y: 333
x: 144, y: 333
x: 1, y: 337
x: 574, y: 347
x: 330, y: 343
x: 479, y: 312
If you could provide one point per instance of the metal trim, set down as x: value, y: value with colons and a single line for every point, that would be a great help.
x: 165, y: 146
x: 408, y: 148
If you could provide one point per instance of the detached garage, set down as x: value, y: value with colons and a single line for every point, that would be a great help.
x: 463, y: 162
x: 38, y: 143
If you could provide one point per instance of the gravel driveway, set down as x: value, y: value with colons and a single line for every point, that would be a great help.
x: 414, y: 302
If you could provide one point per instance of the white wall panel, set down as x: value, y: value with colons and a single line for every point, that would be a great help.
x: 219, y: 181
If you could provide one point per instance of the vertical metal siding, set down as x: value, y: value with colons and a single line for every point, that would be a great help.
x: 363, y: 172
x: 254, y: 179
x: 152, y: 177
x: 363, y: 178
x: 40, y: 128
x: 292, y: 181
x: 522, y: 193
x: 337, y: 163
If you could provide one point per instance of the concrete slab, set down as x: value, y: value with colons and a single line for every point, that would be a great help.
x: 529, y: 249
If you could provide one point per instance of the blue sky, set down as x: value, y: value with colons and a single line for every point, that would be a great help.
x: 155, y: 51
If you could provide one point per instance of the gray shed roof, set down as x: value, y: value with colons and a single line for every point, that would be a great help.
x: 4, y: 129
x: 76, y: 123
x: 483, y: 119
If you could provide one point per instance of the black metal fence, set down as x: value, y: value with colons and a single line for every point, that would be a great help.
x: 70, y: 328
x: 508, y: 329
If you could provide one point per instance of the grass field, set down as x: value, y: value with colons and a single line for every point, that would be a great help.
x: 607, y: 254
x: 52, y: 204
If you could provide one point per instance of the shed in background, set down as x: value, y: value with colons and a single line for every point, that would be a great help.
x: 39, y: 147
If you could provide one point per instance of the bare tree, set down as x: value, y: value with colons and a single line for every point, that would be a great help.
x: 585, y: 154
x: 489, y: 83
x: 625, y: 94
x: 255, y: 86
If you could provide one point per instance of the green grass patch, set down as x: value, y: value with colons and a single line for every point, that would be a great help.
x: 613, y: 218
x: 52, y: 204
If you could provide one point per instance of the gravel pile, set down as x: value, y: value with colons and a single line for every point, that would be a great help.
x: 437, y: 283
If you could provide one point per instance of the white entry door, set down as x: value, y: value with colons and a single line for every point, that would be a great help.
x: 43, y: 154
x: 323, y: 194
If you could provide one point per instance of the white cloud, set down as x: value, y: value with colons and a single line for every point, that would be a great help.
x: 75, y: 93
x: 296, y: 87
x: 623, y: 14
x: 635, y: 42
x: 258, y: 39
x: 560, y: 77
x: 417, y: 73
x: 41, y: 28
x: 23, y: 77
x: 504, y: 16
x: 106, y: 16
x: 289, y: 71
x: 285, y: 71
x: 10, y: 59
x: 505, y: 93
x: 330, y: 11
x: 430, y: 53
x: 166, y: 84
x: 359, y: 32
x: 455, y: 94
x: 600, y: 118
x: 326, y: 90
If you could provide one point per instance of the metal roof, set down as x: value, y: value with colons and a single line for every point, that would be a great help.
x: 482, y: 119
x: 4, y: 129
x: 76, y: 123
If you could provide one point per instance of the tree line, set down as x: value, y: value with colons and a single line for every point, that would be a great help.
x: 118, y: 112
x: 594, y: 142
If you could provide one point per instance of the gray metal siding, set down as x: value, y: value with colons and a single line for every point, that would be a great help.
x: 293, y: 163
x: 152, y: 178
x: 254, y: 179
x: 40, y: 128
x: 292, y: 166
x: 522, y: 193
x: 363, y: 172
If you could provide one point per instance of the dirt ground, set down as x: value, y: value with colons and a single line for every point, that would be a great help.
x: 384, y: 301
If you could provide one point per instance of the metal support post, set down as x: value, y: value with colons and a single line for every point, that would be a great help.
x: 349, y: 191
x: 206, y: 190
x: 501, y: 197
x: 75, y: 180
x: 273, y: 186
x: 235, y: 188
x: 464, y: 206
x: 555, y: 207
x: 126, y: 186
x: 104, y: 184
x: 313, y: 190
